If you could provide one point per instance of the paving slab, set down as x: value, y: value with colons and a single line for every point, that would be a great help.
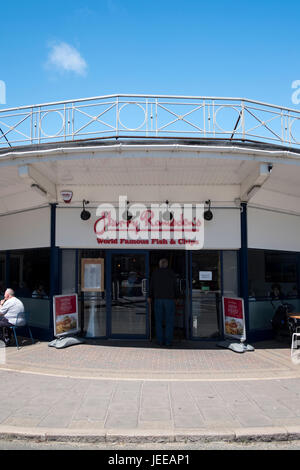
x: 138, y: 392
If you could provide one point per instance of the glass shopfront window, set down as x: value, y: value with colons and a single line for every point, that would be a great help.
x: 128, y: 295
x: 29, y: 277
x: 230, y: 274
x: 271, y: 270
x: 30, y: 273
x: 2, y: 273
x: 91, y: 305
x: 273, y: 278
x: 206, y: 294
x: 121, y: 310
x: 68, y: 281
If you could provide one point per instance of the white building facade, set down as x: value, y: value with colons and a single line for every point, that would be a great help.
x: 238, y: 158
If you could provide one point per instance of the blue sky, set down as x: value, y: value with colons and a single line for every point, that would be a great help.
x: 56, y: 50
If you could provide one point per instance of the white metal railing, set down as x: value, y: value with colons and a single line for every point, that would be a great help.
x: 150, y: 116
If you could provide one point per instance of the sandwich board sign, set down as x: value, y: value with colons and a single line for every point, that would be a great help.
x: 234, y: 317
x: 234, y: 325
x: 65, y: 312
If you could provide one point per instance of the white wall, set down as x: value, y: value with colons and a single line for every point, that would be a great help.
x: 72, y: 232
x: 273, y: 230
x: 30, y: 229
x: 223, y: 232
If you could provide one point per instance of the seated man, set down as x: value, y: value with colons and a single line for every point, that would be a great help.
x: 11, y: 314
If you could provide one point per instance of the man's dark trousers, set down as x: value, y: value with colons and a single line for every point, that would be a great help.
x: 164, y: 314
x: 5, y: 331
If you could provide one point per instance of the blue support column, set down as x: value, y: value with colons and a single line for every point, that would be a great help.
x: 220, y: 304
x: 54, y: 264
x: 244, y: 264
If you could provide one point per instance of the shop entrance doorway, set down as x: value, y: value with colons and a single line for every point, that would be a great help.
x: 127, y: 303
x: 178, y: 263
x: 206, y: 294
x: 123, y: 310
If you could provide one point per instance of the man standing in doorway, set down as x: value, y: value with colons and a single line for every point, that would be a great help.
x: 163, y: 289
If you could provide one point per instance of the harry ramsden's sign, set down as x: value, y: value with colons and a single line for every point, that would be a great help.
x: 175, y: 227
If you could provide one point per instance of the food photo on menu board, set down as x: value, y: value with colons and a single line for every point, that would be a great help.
x: 233, y: 311
x: 65, y: 314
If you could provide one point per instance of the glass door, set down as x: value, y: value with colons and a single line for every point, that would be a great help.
x: 206, y: 294
x: 128, y: 313
x: 92, y: 305
x: 176, y: 262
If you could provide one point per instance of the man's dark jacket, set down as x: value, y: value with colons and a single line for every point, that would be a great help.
x: 163, y: 284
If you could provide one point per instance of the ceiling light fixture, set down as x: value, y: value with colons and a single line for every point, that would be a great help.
x: 127, y: 215
x: 85, y: 215
x: 208, y: 215
x: 168, y: 216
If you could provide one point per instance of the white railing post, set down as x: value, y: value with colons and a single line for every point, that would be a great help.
x: 146, y: 116
x: 73, y: 121
x: 65, y: 124
x: 117, y: 116
x: 31, y: 126
x: 39, y: 125
x: 204, y: 118
x: 243, y: 119
x: 156, y: 117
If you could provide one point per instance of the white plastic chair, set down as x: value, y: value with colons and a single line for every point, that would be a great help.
x: 295, y: 337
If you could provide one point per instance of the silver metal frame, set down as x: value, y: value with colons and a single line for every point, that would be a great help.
x: 148, y: 116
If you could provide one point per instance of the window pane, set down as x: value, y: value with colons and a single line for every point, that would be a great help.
x: 68, y: 271
x: 2, y: 273
x: 92, y: 305
x: 206, y: 298
x: 230, y: 273
x: 271, y: 271
x: 30, y: 273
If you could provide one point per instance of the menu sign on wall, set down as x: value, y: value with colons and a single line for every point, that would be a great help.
x: 205, y: 275
x: 233, y: 317
x: 65, y: 312
x: 92, y: 274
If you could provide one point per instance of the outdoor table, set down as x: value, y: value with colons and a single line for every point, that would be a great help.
x: 294, y: 315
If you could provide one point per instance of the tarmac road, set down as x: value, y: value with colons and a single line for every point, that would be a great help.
x: 166, y: 447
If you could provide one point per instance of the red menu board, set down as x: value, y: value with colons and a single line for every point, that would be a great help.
x: 233, y: 317
x: 65, y: 312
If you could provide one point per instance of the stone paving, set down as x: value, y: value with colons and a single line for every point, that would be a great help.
x: 129, y: 359
x: 138, y: 390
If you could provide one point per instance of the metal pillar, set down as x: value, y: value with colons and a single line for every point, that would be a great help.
x: 244, y: 264
x: 54, y: 264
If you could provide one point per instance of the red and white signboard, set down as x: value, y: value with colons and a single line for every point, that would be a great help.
x: 234, y: 317
x: 65, y: 312
x: 155, y: 227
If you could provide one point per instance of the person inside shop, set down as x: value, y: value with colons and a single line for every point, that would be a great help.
x: 163, y: 290
x: 293, y: 294
x: 39, y: 293
x: 11, y: 314
x: 23, y: 290
x: 132, y: 279
x: 276, y: 293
